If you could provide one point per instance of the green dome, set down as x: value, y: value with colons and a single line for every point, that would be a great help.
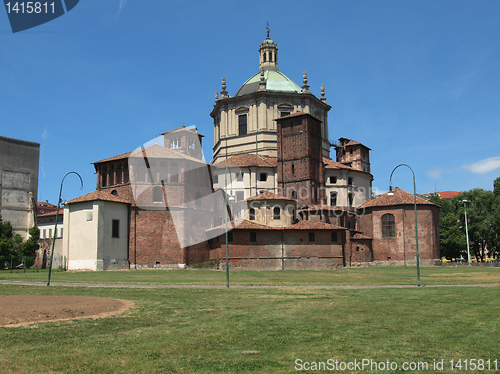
x: 275, y: 81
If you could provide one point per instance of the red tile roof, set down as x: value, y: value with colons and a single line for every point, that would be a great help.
x: 268, y: 195
x: 295, y: 114
x: 51, y: 213
x: 249, y: 160
x: 321, y: 207
x: 244, y: 224
x: 119, y: 157
x: 184, y: 128
x: 330, y: 164
x: 154, y: 151
x: 444, y: 194
x: 98, y: 195
x: 309, y: 225
x: 400, y: 197
x: 360, y: 236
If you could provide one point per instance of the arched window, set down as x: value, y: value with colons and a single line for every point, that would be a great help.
x: 388, y: 226
x: 294, y: 195
x: 251, y: 214
x: 265, y: 57
x: 277, y: 212
x: 157, y: 195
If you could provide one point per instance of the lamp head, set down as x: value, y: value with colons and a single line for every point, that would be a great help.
x: 465, y: 201
x: 390, y: 191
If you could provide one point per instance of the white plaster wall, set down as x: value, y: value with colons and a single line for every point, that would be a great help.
x: 80, y: 235
x: 112, y: 251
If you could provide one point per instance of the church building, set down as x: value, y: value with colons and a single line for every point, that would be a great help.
x: 272, y: 183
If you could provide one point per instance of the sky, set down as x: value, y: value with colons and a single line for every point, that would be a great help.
x: 418, y: 82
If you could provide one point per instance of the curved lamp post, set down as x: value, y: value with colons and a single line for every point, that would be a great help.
x: 57, y: 217
x: 415, y: 205
x: 467, y: 230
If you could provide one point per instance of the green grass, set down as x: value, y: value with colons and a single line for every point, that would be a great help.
x: 397, y: 275
x: 207, y: 330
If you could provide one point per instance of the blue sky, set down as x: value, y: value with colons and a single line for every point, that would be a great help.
x: 416, y: 81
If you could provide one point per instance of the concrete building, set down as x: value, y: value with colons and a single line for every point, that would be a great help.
x: 19, y: 183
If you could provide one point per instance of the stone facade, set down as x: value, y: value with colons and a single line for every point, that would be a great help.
x: 18, y: 183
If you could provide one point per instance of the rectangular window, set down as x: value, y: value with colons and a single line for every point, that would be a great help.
x: 239, y: 177
x: 115, y: 230
x: 263, y: 177
x: 349, y: 181
x: 333, y: 199
x: 229, y: 237
x: 334, y: 237
x: 240, y: 195
x: 351, y: 198
x: 50, y: 233
x: 283, y: 114
x: 333, y: 180
x: 216, y: 178
x: 312, y: 237
x: 44, y: 233
x: 253, y: 237
x: 61, y: 232
x: 242, y: 124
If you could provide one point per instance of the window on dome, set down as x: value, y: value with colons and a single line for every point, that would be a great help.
x: 265, y: 57
x: 276, y: 213
x: 270, y: 56
x: 242, y: 124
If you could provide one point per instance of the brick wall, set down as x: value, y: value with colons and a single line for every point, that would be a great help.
x: 280, y: 250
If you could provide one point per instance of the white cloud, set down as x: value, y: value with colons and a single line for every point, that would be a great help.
x: 436, y: 173
x: 484, y: 166
x: 45, y: 133
x: 120, y: 8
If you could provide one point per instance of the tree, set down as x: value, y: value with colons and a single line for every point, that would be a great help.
x: 6, y: 242
x: 27, y: 250
x: 451, y: 236
x: 12, y: 247
x: 480, y: 221
x: 496, y: 187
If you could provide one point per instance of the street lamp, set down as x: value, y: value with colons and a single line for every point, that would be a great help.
x: 415, y: 205
x: 466, y: 230
x: 57, y: 217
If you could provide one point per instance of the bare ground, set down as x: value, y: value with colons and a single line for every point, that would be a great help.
x: 20, y: 310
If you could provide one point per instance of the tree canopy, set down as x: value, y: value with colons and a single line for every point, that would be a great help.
x: 483, y: 222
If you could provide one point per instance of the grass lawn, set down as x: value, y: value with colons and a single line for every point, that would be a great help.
x: 397, y: 275
x: 208, y: 330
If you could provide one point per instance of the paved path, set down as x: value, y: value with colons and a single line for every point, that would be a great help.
x: 62, y: 284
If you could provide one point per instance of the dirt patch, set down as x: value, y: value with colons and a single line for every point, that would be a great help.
x: 19, y: 310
